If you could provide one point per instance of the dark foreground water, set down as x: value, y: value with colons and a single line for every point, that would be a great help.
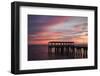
x: 37, y: 52
x: 40, y: 52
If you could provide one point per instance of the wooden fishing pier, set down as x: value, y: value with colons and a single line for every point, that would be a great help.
x: 67, y: 48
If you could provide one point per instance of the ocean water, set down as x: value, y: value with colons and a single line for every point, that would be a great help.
x: 37, y: 52
x: 40, y: 52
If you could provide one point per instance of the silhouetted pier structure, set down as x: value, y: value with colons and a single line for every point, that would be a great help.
x: 67, y: 48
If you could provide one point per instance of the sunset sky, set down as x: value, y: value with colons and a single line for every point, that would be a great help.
x: 43, y: 29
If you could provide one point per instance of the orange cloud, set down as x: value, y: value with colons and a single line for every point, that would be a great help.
x: 43, y: 37
x: 81, y: 39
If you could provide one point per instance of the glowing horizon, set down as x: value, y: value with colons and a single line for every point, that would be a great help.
x: 43, y: 29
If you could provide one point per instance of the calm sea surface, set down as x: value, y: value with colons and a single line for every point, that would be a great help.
x: 40, y: 52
